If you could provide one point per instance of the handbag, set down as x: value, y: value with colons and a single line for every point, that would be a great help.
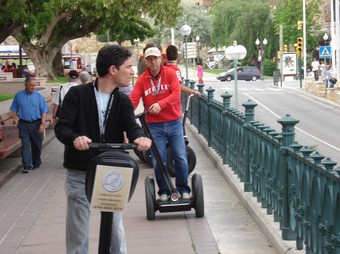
x: 334, y: 80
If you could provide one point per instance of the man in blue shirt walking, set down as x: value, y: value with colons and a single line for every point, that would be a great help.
x: 29, y: 110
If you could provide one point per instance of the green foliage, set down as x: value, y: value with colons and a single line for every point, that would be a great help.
x: 268, y: 67
x: 43, y: 27
x: 197, y: 17
x: 243, y: 21
x: 133, y: 28
x: 59, y: 79
x: 5, y: 97
x: 287, y: 14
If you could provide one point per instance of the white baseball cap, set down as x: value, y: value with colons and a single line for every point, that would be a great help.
x: 153, y: 51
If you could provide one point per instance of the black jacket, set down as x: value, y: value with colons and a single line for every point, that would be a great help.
x: 79, y: 116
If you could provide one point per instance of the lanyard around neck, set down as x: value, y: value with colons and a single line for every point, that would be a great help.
x: 158, y: 85
x: 102, y: 120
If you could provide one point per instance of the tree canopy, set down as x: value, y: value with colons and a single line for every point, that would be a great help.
x: 43, y: 27
x: 247, y: 20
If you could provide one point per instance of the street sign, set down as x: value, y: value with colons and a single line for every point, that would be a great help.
x: 325, y: 52
x: 192, y: 50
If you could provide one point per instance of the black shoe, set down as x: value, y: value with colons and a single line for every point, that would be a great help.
x: 26, y: 170
x: 36, y: 167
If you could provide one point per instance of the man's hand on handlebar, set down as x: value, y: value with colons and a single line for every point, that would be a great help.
x: 82, y: 143
x: 142, y: 143
x: 155, y: 108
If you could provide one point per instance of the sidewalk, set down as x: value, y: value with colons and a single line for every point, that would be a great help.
x: 32, y: 212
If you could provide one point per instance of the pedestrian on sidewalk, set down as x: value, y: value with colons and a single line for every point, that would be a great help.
x: 328, y: 77
x: 172, y: 55
x: 96, y: 112
x: 62, y: 91
x: 315, y: 69
x: 199, y: 72
x: 29, y: 110
x: 84, y: 77
x: 160, y: 91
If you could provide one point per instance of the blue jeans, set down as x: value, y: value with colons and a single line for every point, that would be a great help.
x: 78, y: 216
x: 31, y: 143
x: 171, y: 133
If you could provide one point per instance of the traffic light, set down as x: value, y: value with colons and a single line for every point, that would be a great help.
x: 299, y: 24
x: 285, y: 48
x: 299, y: 45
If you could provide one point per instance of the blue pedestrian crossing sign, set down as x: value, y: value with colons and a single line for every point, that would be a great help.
x: 325, y: 52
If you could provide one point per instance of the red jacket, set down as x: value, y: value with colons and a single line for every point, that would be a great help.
x: 165, y: 90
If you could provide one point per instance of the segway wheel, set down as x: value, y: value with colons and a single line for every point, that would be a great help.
x: 150, y: 198
x: 197, y: 191
x: 147, y: 157
x: 191, y: 161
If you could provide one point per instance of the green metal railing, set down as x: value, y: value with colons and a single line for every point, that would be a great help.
x: 297, y: 185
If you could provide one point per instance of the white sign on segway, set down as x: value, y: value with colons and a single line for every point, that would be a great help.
x: 111, y: 188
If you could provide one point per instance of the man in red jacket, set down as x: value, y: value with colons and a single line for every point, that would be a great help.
x: 160, y: 91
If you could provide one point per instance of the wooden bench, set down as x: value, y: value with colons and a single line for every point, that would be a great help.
x: 10, y: 141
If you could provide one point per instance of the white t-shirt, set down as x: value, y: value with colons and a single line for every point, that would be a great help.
x: 64, y: 91
x: 315, y: 65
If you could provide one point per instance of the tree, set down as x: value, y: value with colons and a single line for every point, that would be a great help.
x: 132, y: 29
x: 43, y: 27
x: 197, y: 17
x: 243, y: 21
x: 289, y: 12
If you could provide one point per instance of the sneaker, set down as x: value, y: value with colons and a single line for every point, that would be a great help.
x: 186, y: 195
x: 164, y: 197
x: 26, y: 170
x: 36, y: 167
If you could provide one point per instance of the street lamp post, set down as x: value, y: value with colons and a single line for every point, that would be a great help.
x: 325, y: 38
x: 185, y: 31
x: 261, y: 48
x: 235, y: 52
x: 136, y: 41
x: 198, y: 48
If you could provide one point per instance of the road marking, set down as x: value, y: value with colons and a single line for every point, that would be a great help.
x: 297, y: 128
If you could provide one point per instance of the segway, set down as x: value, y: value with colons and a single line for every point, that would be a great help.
x: 175, y: 203
x: 190, y: 152
x: 118, y: 164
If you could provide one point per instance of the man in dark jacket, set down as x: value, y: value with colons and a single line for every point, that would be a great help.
x: 96, y: 112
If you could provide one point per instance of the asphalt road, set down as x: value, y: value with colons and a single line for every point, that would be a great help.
x: 319, y: 121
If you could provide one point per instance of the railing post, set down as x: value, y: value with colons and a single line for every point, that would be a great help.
x: 226, y: 100
x: 200, y: 89
x: 192, y: 86
x: 249, y: 114
x: 288, y: 138
x: 249, y: 110
x: 226, y: 106
x: 186, y: 82
x: 210, y: 91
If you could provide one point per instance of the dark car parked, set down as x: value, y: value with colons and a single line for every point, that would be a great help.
x: 243, y: 73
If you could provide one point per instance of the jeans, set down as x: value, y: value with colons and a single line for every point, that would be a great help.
x: 31, y: 143
x: 172, y: 133
x: 329, y: 83
x: 78, y: 216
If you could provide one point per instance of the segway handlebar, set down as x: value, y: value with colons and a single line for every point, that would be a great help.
x: 143, y: 113
x: 188, y: 102
x: 111, y: 146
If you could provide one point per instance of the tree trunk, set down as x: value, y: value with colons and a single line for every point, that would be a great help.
x: 47, y: 61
